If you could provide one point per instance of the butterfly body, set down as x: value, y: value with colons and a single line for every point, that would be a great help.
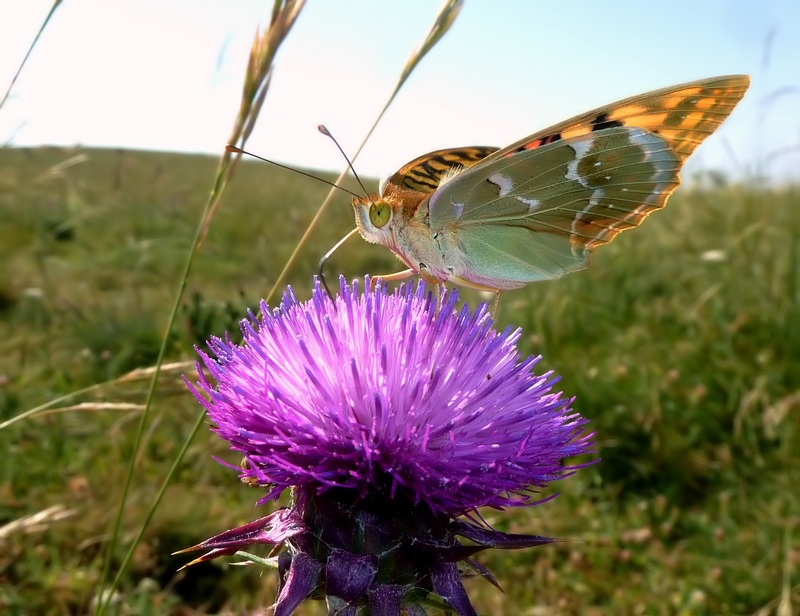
x: 499, y: 219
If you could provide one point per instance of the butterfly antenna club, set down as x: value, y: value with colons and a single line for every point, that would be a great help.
x: 321, y: 128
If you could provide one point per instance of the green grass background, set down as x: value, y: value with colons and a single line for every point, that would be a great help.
x: 681, y: 343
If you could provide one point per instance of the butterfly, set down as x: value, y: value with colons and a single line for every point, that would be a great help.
x: 496, y: 219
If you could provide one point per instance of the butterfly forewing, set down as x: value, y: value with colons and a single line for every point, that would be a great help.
x: 684, y: 115
x: 536, y: 209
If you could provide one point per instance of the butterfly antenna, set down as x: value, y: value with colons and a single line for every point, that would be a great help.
x: 235, y: 150
x: 321, y: 128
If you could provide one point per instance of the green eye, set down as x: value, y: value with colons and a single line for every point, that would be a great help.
x: 379, y: 214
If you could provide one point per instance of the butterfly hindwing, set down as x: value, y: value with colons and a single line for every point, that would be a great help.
x: 538, y: 214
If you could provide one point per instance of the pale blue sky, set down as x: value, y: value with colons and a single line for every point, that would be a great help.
x: 166, y: 74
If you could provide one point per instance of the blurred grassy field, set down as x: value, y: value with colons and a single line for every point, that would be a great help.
x: 681, y: 343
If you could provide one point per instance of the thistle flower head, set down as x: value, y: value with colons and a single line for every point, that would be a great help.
x: 391, y: 417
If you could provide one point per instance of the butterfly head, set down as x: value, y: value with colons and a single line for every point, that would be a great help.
x: 374, y: 217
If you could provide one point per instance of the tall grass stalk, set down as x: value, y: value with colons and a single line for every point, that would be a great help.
x: 50, y: 13
x: 257, y: 78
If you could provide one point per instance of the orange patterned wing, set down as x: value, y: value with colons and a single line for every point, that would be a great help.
x: 425, y: 173
x: 683, y: 115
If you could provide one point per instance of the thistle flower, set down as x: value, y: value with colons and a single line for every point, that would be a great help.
x: 391, y: 418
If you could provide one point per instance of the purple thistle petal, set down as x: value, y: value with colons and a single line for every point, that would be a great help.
x: 382, y: 386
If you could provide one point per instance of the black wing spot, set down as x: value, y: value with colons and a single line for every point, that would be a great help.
x: 495, y: 184
x: 538, y: 143
x: 601, y: 122
x: 551, y: 138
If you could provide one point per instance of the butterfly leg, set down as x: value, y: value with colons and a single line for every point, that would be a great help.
x: 496, y: 302
x: 404, y: 275
x: 479, y: 287
x: 442, y: 293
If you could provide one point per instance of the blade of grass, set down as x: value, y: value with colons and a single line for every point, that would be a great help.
x: 262, y: 55
x: 53, y: 8
x: 441, y: 24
